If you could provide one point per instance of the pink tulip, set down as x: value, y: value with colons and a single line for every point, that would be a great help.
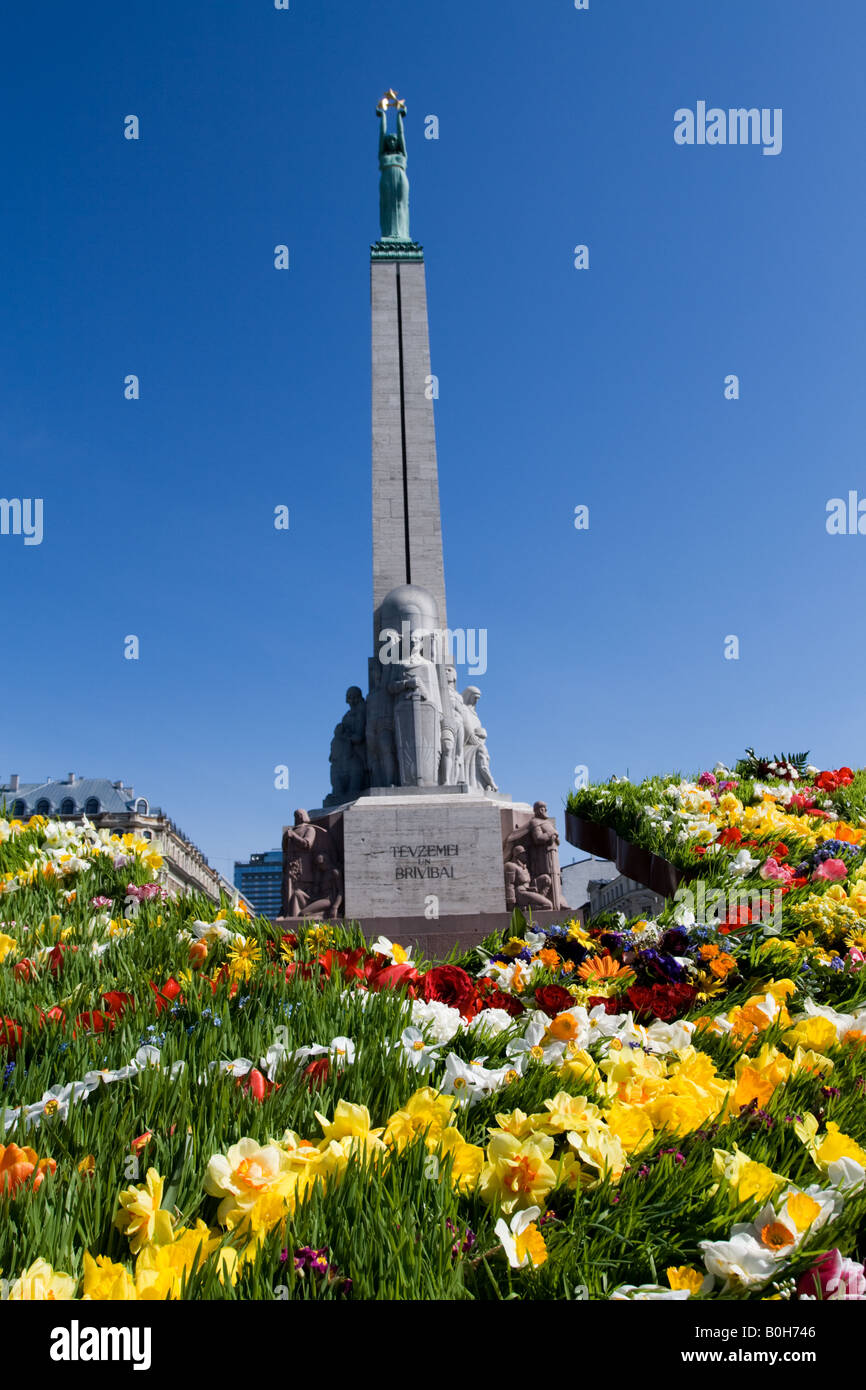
x: 832, y: 869
x: 833, y: 1277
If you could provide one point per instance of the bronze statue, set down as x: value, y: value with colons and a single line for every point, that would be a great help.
x: 393, y: 182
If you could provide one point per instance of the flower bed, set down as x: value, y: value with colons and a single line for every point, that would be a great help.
x: 196, y: 1106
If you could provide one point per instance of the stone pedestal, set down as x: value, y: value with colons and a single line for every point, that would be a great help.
x: 411, y: 853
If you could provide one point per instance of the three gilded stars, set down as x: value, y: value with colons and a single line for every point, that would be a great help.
x: 391, y: 99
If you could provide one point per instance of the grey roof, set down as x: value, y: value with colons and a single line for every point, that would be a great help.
x: 110, y: 797
x: 577, y: 877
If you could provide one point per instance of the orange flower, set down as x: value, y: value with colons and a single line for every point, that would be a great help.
x: 603, y: 968
x: 197, y: 954
x: 776, y: 1236
x: 856, y: 1037
x: 17, y: 1165
x: 548, y: 958
x: 722, y: 965
x: 753, y: 1085
x: 708, y: 952
x: 564, y: 1028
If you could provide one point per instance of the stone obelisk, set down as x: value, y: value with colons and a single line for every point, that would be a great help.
x: 407, y: 528
x: 414, y: 834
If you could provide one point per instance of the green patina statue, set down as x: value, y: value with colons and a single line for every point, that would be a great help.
x: 393, y: 183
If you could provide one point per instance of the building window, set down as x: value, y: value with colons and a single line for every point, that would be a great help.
x: 91, y: 806
x: 19, y: 808
x: 147, y: 834
x: 43, y: 807
x: 141, y: 807
x: 67, y: 806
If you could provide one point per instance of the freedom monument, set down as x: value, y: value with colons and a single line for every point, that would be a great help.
x: 414, y: 837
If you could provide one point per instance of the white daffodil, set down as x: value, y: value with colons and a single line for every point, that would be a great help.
x: 106, y: 1075
x: 218, y: 931
x: 392, y: 949
x: 669, y: 1037
x: 521, y: 1239
x: 239, y: 1066
x: 9, y: 1119
x: 532, y: 1045
x: 147, y: 1056
x: 846, y: 1174
x: 273, y: 1059
x: 742, y: 1260
x: 56, y: 1101
x: 462, y: 1079
x: 341, y: 1051
x: 420, y: 1054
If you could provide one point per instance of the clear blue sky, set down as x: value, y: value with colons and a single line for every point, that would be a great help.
x: 558, y: 387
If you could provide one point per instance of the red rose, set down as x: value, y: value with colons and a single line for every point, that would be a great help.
x: 664, y: 1002
x: 613, y: 1005
x: 553, y: 999
x: 11, y: 1034
x: 494, y: 998
x: 448, y: 984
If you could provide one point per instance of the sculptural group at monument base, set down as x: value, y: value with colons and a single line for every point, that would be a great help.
x: 414, y: 729
x: 312, y: 870
x: 532, y: 873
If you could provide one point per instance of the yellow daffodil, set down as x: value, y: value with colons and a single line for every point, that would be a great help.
x: 744, y: 1177
x: 816, y: 1033
x: 141, y: 1216
x: 565, y: 1112
x: 631, y: 1126
x: 160, y: 1269
x: 245, y: 1174
x: 600, y: 1150
x: 105, y: 1281
x: 685, y: 1277
x: 426, y: 1112
x: 41, y: 1283
x: 521, y: 1239
x: 349, y: 1120
x: 467, y: 1160
x: 517, y: 1172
